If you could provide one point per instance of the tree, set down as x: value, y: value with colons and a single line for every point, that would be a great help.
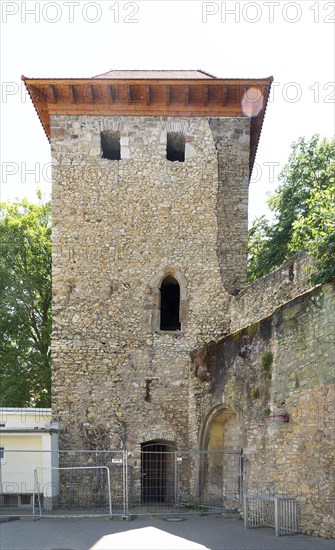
x: 316, y: 232
x: 25, y: 303
x: 302, y: 216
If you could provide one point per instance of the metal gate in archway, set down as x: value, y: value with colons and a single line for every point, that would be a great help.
x: 157, y: 473
x: 163, y: 480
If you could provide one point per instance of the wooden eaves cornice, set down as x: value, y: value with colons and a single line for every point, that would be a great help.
x: 148, y: 97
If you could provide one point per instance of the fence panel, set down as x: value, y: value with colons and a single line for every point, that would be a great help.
x: 94, y: 483
x: 220, y: 480
x: 63, y: 483
x: 86, y: 483
x: 278, y: 512
x: 164, y: 482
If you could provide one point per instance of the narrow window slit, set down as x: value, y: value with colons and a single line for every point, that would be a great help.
x: 147, y: 390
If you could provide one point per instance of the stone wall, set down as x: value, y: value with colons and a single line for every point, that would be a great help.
x: 243, y: 356
x: 117, y: 227
x: 281, y: 368
x: 232, y: 142
x: 260, y: 299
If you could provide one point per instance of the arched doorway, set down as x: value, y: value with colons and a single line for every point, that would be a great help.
x: 157, y: 472
x: 220, y: 475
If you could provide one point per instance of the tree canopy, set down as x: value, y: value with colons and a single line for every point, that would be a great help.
x: 303, y: 210
x: 25, y: 304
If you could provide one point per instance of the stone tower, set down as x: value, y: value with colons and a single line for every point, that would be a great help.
x: 150, y: 201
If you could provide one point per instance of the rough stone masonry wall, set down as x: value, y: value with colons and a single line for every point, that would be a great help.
x: 283, y: 364
x: 232, y: 142
x: 261, y: 298
x: 116, y: 225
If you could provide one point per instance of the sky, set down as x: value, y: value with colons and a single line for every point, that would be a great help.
x: 292, y: 41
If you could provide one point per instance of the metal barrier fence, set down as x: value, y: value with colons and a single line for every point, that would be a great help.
x: 63, y: 483
x: 94, y: 483
x: 184, y: 481
x: 278, y: 512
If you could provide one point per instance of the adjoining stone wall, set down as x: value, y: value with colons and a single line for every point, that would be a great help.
x: 282, y: 365
x: 260, y: 299
x: 117, y: 226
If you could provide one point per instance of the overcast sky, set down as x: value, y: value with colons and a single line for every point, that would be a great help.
x: 293, y: 41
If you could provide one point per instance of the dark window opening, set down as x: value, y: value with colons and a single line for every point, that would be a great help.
x: 147, y: 390
x: 170, y: 300
x: 175, y: 147
x: 2, y: 453
x: 11, y: 500
x: 26, y: 500
x: 110, y: 145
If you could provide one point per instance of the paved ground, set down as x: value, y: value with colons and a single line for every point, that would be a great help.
x: 191, y: 533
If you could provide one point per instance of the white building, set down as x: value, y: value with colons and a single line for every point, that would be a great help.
x: 28, y: 444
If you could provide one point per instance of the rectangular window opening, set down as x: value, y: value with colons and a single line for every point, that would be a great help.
x: 11, y: 500
x: 175, y: 147
x: 25, y: 500
x: 111, y: 145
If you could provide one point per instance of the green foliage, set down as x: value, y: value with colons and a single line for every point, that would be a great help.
x: 25, y: 304
x: 252, y: 329
x: 267, y: 360
x: 255, y: 393
x: 267, y: 411
x: 237, y: 335
x: 260, y: 260
x: 304, y: 215
x: 316, y: 232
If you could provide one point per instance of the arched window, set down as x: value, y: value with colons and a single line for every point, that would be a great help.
x: 169, y: 301
x: 170, y: 304
x: 110, y: 145
x: 175, y: 146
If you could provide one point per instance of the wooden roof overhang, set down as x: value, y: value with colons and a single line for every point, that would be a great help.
x: 152, y: 97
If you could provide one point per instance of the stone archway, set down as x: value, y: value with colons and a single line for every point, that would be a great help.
x: 220, y: 468
x: 157, y: 472
x: 221, y: 430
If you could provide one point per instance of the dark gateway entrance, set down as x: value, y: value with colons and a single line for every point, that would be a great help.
x: 158, y: 473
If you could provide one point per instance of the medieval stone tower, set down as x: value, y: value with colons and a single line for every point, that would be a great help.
x: 150, y: 202
x: 158, y: 345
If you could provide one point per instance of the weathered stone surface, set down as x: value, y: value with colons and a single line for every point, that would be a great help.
x: 116, y: 224
x: 261, y: 298
x: 243, y: 355
x: 294, y: 458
